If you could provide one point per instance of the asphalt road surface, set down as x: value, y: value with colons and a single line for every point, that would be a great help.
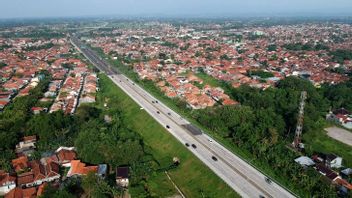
x: 239, y: 175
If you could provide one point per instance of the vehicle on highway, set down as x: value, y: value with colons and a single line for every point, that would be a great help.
x: 153, y: 101
x: 132, y: 83
x: 158, y: 112
x: 187, y: 144
x: 268, y: 180
x: 214, y: 158
x: 167, y: 126
x: 156, y: 101
x: 210, y: 140
x: 169, y: 114
x: 261, y: 196
x: 194, y: 146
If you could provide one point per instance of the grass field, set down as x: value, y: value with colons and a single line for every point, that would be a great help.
x: 193, y: 177
x: 208, y: 79
x: 263, y: 167
x: 320, y: 141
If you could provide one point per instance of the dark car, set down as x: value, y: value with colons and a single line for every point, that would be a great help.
x: 153, y: 101
x: 214, y: 158
x: 167, y: 126
x: 194, y: 146
x: 132, y: 83
x: 169, y: 114
x: 187, y: 144
x: 158, y: 112
x: 156, y: 101
x: 268, y: 180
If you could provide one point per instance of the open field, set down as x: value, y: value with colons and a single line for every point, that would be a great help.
x: 320, y: 141
x: 192, y: 176
x: 245, y: 155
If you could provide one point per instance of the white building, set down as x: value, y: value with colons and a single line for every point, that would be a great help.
x: 7, y: 183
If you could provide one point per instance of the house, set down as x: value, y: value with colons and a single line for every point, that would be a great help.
x: 20, y: 163
x: 343, y: 183
x: 22, y: 193
x: 64, y: 155
x: 122, y: 174
x: 78, y: 168
x: 41, y: 171
x: 27, y: 146
x: 304, y: 161
x: 7, y: 182
x: 3, y: 104
x: 329, y: 160
x: 330, y: 174
x: 333, y: 161
x: 346, y: 172
x: 341, y: 116
x: 102, y: 170
x: 37, y: 110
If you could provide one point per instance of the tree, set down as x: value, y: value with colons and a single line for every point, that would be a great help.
x: 272, y: 47
x: 94, y: 186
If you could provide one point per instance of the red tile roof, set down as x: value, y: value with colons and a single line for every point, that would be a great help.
x: 79, y: 168
x: 20, y: 163
x: 22, y: 193
x: 6, y: 177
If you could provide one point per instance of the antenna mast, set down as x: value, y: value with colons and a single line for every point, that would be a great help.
x: 298, y: 134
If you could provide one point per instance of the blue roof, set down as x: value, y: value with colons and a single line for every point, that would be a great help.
x: 102, y: 168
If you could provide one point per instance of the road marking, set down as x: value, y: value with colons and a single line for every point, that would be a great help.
x: 113, y: 72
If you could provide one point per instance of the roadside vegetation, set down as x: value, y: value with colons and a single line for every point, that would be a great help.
x: 113, y: 131
x: 192, y: 176
x: 261, y: 129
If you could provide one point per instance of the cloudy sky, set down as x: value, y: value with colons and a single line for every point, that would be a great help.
x: 69, y: 8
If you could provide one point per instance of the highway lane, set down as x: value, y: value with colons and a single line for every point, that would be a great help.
x: 202, y: 152
x: 242, y: 177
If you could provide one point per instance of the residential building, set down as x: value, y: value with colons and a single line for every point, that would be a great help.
x: 122, y: 175
x: 7, y: 182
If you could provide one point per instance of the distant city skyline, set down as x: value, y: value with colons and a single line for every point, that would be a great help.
x: 179, y: 8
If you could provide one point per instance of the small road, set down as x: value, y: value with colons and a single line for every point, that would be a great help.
x: 238, y: 174
x: 340, y: 134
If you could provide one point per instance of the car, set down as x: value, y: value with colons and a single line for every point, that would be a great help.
x: 187, y: 144
x: 153, y: 101
x: 169, y: 114
x: 156, y: 101
x: 261, y: 196
x: 210, y: 140
x: 167, y: 126
x: 158, y: 112
x: 214, y: 158
x: 268, y: 180
x: 194, y: 146
x: 120, y: 80
x: 132, y: 83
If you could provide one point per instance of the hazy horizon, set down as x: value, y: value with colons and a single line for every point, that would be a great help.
x: 180, y: 8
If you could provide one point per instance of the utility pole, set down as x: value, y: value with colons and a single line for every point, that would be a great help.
x: 297, y: 144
